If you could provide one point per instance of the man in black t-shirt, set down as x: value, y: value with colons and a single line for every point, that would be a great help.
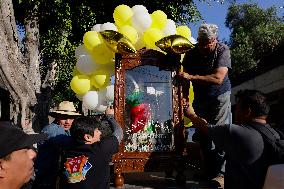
x: 85, y: 163
x: 247, y: 154
x: 206, y: 66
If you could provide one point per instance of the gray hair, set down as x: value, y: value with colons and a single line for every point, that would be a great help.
x: 207, y: 32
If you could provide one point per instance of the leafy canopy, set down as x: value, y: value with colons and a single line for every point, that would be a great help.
x: 255, y: 33
x: 62, y: 24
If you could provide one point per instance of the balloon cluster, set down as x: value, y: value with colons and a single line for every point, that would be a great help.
x: 133, y: 28
x: 144, y: 29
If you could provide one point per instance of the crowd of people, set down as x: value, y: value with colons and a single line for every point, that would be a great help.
x: 74, y: 151
x: 247, y: 145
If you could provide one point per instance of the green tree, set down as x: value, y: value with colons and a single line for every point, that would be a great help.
x: 43, y: 62
x: 255, y: 33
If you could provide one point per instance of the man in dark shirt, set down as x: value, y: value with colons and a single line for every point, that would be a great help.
x: 246, y: 155
x: 206, y: 66
x: 17, y: 156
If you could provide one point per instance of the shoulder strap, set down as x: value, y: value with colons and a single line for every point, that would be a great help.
x: 280, y: 132
x: 273, y: 139
x: 266, y: 131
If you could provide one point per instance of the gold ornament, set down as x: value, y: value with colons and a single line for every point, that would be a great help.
x: 174, y: 44
x: 125, y: 46
x: 117, y: 42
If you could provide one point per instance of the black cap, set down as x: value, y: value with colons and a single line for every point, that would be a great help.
x: 13, y: 139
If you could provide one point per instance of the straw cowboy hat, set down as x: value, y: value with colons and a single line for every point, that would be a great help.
x: 65, y: 108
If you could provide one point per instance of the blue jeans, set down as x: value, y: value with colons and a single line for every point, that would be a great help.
x: 217, y: 112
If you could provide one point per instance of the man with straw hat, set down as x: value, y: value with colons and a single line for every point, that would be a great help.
x: 47, y: 161
x: 63, y: 115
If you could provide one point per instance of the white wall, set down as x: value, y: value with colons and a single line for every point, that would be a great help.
x: 267, y: 82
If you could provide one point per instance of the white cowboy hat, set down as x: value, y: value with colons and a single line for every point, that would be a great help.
x: 65, y: 108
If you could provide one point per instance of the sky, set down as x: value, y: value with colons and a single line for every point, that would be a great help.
x: 216, y: 13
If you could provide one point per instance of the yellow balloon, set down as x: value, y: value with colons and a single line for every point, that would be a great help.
x: 91, y: 39
x: 122, y: 15
x: 75, y: 71
x: 159, y: 19
x: 101, y: 54
x: 187, y: 122
x: 129, y: 32
x: 191, y: 94
x: 151, y: 35
x: 174, y: 44
x: 184, y: 31
x: 100, y: 78
x: 139, y: 44
x: 80, y: 84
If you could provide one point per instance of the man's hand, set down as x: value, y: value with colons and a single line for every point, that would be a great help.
x: 185, y: 76
x: 198, y: 122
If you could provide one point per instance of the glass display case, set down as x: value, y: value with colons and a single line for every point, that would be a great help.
x: 148, y: 110
x: 148, y: 107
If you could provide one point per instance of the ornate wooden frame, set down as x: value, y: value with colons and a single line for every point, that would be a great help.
x: 147, y: 161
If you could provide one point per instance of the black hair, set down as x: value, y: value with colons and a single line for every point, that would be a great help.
x: 253, y: 99
x: 84, y: 125
x: 7, y: 157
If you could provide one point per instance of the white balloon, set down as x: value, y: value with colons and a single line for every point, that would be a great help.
x: 85, y: 65
x: 97, y: 27
x: 139, y: 8
x: 102, y: 102
x: 108, y: 26
x: 170, y: 28
x: 80, y: 50
x: 141, y: 21
x: 102, y: 97
x: 101, y: 108
x: 90, y: 100
x: 110, y: 93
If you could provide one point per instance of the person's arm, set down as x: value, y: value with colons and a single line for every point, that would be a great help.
x: 223, y: 63
x: 53, y: 130
x: 216, y: 78
x: 197, y: 121
x: 117, y: 130
x: 220, y: 134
